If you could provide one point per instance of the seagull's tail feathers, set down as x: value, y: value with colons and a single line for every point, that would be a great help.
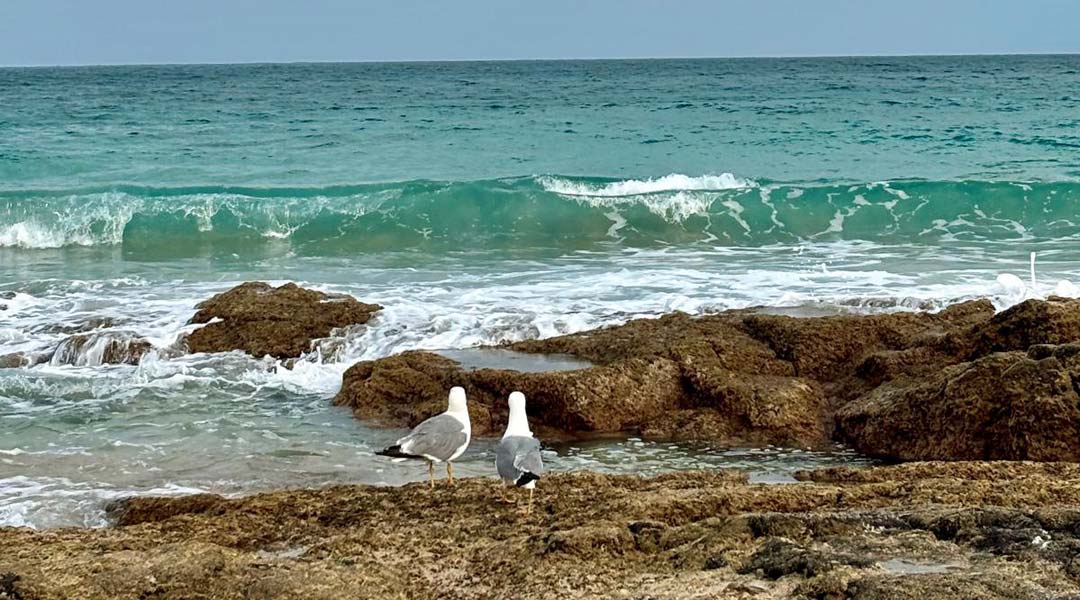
x: 395, y: 452
x: 526, y: 478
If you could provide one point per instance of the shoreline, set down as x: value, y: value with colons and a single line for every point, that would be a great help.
x: 918, y: 530
x: 990, y: 522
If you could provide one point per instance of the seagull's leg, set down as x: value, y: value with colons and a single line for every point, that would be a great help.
x: 528, y: 508
x: 431, y: 474
x: 450, y: 473
x: 502, y: 495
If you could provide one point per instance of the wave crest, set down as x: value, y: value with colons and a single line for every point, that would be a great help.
x: 675, y: 182
x: 561, y: 213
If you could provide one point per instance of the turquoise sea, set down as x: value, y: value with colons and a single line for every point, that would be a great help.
x: 480, y: 202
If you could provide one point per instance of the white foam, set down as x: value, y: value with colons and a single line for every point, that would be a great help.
x: 72, y: 221
x: 736, y: 213
x: 46, y: 502
x: 26, y: 234
x: 673, y: 208
x: 617, y: 223
x: 637, y: 187
x: 101, y: 218
x: 1067, y: 289
x: 1011, y: 288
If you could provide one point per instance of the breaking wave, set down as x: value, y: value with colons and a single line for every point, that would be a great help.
x: 533, y: 212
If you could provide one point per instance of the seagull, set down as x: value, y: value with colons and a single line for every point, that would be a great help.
x: 517, y: 458
x: 441, y: 438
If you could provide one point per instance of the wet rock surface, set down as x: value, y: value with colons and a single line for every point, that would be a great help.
x: 21, y: 359
x: 281, y: 322
x: 104, y: 348
x: 1003, y: 406
x: 86, y: 349
x: 961, y: 384
x: 920, y: 530
x: 83, y: 325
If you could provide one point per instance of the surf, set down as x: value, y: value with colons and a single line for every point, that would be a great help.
x: 555, y: 212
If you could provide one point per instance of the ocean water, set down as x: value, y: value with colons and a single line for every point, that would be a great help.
x: 480, y: 203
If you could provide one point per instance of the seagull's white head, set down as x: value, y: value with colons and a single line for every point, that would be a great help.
x: 456, y: 403
x: 517, y: 402
x: 518, y: 423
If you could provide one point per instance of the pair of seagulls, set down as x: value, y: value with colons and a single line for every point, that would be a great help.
x: 445, y: 437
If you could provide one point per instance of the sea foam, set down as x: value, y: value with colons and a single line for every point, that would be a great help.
x: 636, y: 187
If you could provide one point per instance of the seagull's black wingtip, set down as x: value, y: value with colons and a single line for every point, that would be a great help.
x: 394, y: 452
x: 526, y: 478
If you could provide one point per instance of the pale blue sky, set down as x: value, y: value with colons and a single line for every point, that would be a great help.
x: 46, y: 32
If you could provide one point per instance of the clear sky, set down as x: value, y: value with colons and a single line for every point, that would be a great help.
x: 48, y: 32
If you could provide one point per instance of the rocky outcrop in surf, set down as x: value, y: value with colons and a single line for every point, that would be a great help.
x: 92, y: 349
x: 281, y: 322
x: 85, y: 350
x: 21, y: 359
x: 922, y: 530
x: 963, y: 383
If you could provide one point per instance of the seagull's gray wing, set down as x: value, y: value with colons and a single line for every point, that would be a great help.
x: 518, y: 460
x: 438, y: 438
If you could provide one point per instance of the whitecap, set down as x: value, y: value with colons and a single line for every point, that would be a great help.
x: 637, y: 187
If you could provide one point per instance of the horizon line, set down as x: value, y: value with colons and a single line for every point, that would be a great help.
x: 514, y: 60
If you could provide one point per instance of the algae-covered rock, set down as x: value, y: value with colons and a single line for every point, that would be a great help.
x: 281, y: 322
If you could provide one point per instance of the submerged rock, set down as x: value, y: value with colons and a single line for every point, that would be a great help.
x: 103, y: 348
x: 23, y: 359
x: 281, y: 322
x: 82, y: 325
x: 974, y: 530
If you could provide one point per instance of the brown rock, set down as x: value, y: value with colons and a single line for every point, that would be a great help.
x: 1032, y: 322
x: 135, y: 510
x: 280, y: 322
x: 1004, y: 406
x: 21, y: 359
x: 92, y: 349
x: 78, y: 326
x: 680, y: 535
x: 826, y: 348
x: 778, y: 557
x: 907, y: 386
x: 652, y: 395
x: 732, y: 378
x: 720, y: 337
x: 407, y: 388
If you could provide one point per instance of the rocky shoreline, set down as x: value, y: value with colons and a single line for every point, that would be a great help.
x: 960, y: 385
x: 920, y: 530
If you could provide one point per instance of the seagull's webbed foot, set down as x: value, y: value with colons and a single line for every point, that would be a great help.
x: 502, y: 496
